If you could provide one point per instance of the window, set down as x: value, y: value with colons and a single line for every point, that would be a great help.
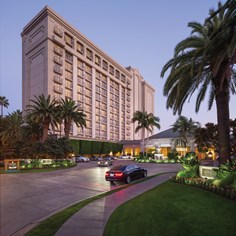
x: 88, y: 92
x: 80, y: 48
x: 97, y: 60
x: 80, y: 97
x: 122, y: 78
x: 97, y: 74
x: 80, y: 72
x: 104, y: 92
x: 57, y: 88
x: 89, y: 54
x: 88, y: 76
x: 104, y: 78
x: 104, y: 85
x: 117, y: 74
x: 80, y: 89
x: 69, y: 57
x: 88, y: 69
x: 88, y: 84
x: 69, y: 40
x: 69, y: 66
x: 58, y: 79
x: 111, y: 70
x: 68, y: 75
x: 58, y: 69
x: 80, y: 81
x: 69, y: 84
x: 80, y: 64
x: 58, y: 60
x: 88, y: 100
x: 104, y: 65
x: 68, y: 93
x: 58, y: 50
x: 58, y: 31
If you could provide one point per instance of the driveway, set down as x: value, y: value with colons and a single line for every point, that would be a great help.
x: 26, y: 198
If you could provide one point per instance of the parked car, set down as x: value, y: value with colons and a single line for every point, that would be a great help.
x: 108, y: 156
x: 125, y: 173
x: 125, y: 157
x: 95, y: 158
x: 106, y: 161
x: 81, y: 159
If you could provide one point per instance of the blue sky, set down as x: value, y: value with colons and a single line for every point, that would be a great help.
x: 140, y: 33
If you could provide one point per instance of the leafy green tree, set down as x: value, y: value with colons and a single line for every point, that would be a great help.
x: 145, y: 122
x: 43, y: 110
x: 11, y: 138
x: 3, y: 103
x: 32, y: 129
x: 204, y: 62
x: 69, y: 112
x: 185, y: 128
x: 206, y: 137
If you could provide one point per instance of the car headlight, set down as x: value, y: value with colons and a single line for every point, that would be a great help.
x: 106, y: 162
x: 99, y: 162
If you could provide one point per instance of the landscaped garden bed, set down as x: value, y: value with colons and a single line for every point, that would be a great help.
x: 223, y: 181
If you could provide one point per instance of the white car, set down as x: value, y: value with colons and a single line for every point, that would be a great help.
x: 125, y: 157
x: 82, y: 159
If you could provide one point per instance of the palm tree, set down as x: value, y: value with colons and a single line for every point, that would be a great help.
x: 206, y: 137
x: 145, y: 122
x: 43, y: 110
x: 204, y: 62
x: 32, y: 130
x: 3, y: 103
x: 185, y: 127
x: 11, y: 136
x: 11, y: 130
x: 69, y: 112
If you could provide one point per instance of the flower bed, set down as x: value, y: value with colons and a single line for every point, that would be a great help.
x: 207, y: 185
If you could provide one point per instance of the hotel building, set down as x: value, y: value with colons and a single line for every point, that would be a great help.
x: 60, y: 61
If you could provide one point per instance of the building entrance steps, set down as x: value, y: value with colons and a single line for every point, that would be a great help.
x: 91, y: 220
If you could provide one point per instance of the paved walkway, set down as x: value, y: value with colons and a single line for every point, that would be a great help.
x: 91, y: 220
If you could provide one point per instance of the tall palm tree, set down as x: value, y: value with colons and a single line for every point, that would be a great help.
x: 204, y: 62
x: 3, y: 103
x: 69, y: 112
x: 43, y: 110
x: 185, y: 127
x: 145, y: 122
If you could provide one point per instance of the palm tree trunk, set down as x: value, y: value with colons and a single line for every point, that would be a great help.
x: 45, y: 131
x: 222, y: 105
x: 143, y: 145
x: 67, y: 128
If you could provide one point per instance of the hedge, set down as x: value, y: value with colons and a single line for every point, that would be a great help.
x: 94, y: 147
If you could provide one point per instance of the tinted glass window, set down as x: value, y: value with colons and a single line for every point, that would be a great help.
x: 121, y: 168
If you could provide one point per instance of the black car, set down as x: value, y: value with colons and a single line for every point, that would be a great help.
x: 125, y: 173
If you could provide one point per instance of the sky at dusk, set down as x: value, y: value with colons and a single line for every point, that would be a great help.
x: 137, y: 33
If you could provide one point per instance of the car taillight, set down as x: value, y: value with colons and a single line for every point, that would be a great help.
x: 118, y: 174
x: 107, y: 174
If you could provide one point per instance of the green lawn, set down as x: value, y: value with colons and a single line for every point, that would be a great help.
x: 174, y: 209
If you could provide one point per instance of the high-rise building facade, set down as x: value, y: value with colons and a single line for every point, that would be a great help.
x: 59, y: 61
